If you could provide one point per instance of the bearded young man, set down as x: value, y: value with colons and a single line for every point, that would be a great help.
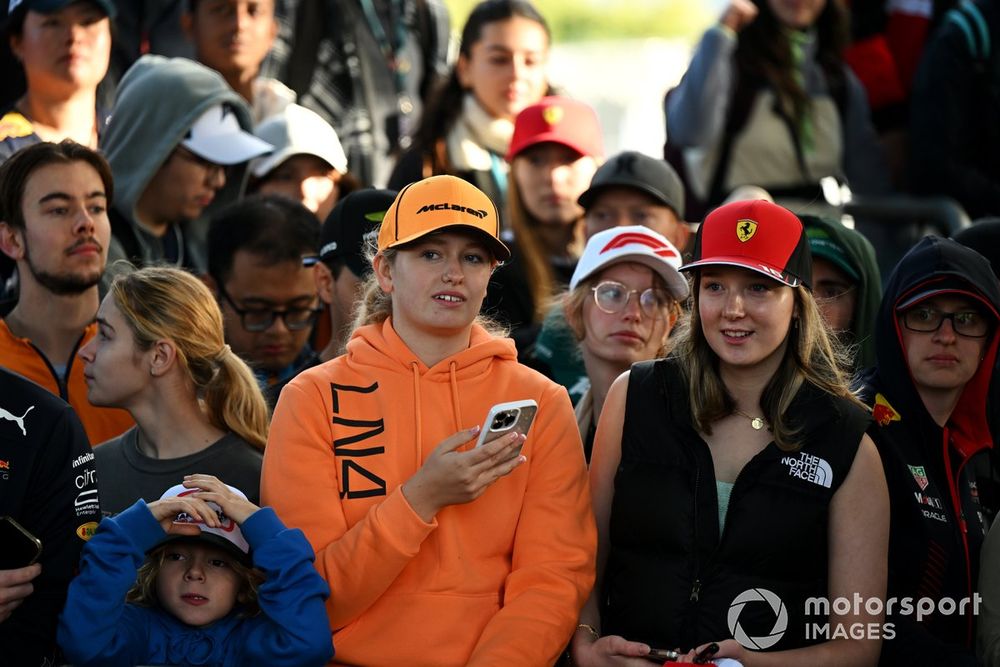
x: 54, y: 201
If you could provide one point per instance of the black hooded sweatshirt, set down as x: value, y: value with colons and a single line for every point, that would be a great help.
x: 942, y: 481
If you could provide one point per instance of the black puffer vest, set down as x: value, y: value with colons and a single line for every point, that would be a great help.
x: 671, y: 577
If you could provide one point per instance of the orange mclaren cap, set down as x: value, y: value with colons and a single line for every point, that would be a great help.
x: 437, y: 203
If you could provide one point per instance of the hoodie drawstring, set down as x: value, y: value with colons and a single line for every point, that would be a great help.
x: 456, y: 410
x: 417, y: 408
x: 417, y: 426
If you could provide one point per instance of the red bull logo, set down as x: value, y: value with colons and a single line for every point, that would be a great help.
x: 883, y: 413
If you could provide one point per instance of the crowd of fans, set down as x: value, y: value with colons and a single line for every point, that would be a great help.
x: 267, y: 265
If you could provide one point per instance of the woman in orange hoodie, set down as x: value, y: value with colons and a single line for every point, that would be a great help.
x: 437, y: 552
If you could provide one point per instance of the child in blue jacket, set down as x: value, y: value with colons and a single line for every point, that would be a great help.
x: 172, y: 583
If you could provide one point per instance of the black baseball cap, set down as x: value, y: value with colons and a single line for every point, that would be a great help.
x: 345, y: 230
x: 632, y: 169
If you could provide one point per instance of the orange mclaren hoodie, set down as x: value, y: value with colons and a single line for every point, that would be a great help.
x: 498, y: 581
x: 20, y: 356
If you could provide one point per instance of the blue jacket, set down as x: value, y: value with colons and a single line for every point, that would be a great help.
x: 98, y: 628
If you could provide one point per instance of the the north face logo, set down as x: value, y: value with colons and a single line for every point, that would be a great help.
x: 810, y: 468
x: 479, y: 213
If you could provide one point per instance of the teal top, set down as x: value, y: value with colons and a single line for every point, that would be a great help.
x: 722, y: 490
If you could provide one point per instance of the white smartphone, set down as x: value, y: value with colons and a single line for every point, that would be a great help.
x: 504, y: 418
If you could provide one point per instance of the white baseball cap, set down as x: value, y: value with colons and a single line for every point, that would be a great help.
x: 227, y: 536
x: 217, y: 137
x: 633, y: 243
x: 298, y: 131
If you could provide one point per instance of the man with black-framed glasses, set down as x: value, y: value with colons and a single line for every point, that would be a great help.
x: 261, y: 258
x: 936, y: 340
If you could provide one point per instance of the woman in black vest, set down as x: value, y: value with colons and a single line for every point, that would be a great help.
x: 734, y: 489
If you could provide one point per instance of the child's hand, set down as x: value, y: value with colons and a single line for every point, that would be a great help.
x: 236, y: 508
x: 165, y: 511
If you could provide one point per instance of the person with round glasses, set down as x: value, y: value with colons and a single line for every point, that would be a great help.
x: 933, y: 399
x: 733, y: 476
x: 159, y: 353
x: 623, y: 300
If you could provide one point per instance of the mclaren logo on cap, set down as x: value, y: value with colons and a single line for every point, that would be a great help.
x: 479, y: 213
x: 552, y: 115
x: 745, y: 229
x: 659, y: 248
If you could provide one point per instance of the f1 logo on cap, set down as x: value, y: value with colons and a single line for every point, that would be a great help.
x: 622, y: 240
x: 745, y: 229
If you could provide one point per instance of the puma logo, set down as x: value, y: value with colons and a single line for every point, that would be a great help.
x: 14, y: 418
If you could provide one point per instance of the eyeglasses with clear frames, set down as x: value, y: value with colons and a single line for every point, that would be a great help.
x: 969, y: 323
x: 257, y: 320
x: 613, y: 297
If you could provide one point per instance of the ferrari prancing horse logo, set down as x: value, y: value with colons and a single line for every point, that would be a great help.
x: 552, y: 115
x: 745, y: 229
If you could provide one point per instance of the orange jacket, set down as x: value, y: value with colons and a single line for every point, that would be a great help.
x: 20, y: 356
x: 498, y: 581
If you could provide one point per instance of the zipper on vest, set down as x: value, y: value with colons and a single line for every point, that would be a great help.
x: 695, y: 590
x: 696, y: 587
x: 954, y: 477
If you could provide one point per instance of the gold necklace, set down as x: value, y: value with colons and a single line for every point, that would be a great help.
x: 757, y: 423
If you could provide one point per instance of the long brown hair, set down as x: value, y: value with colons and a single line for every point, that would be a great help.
x: 541, y: 277
x: 764, y: 55
x: 441, y: 114
x: 812, y: 356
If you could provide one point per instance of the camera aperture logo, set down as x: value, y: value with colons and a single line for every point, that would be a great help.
x: 871, y: 616
x: 780, y: 619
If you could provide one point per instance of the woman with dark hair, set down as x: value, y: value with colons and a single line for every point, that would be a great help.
x: 735, y: 473
x: 501, y: 69
x: 64, y: 48
x: 768, y: 100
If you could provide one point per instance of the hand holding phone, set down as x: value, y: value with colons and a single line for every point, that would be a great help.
x: 20, y: 548
x: 504, y: 418
x: 15, y: 586
x: 706, y: 654
x: 661, y: 655
x: 444, y: 478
